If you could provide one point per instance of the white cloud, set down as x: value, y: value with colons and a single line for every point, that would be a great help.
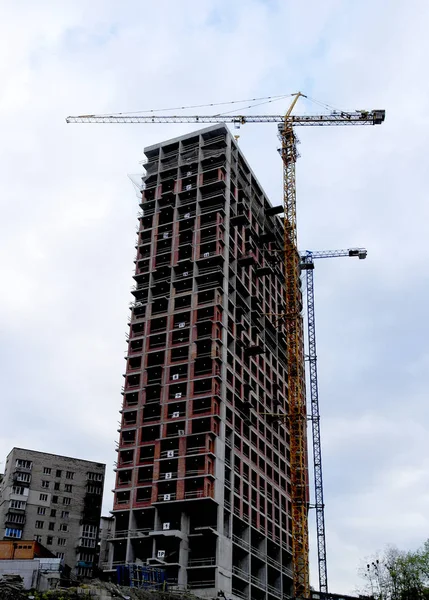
x: 68, y: 217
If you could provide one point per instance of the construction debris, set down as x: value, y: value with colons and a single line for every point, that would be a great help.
x: 11, y: 588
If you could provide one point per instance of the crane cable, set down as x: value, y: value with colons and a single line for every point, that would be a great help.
x: 153, y: 110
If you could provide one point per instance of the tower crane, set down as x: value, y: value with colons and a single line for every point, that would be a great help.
x: 307, y: 265
x: 296, y: 413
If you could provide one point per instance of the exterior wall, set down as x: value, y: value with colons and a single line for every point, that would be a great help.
x: 56, y: 501
x: 34, y: 574
x: 202, y: 484
x: 107, y: 528
x: 23, y: 549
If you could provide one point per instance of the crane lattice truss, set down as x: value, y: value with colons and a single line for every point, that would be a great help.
x: 293, y: 317
x: 307, y: 265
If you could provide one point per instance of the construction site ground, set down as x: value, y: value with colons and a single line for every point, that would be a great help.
x: 11, y: 588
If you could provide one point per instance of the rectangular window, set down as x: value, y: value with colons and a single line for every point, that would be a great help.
x: 86, y: 543
x: 53, y: 512
x: 49, y: 540
x: 13, y: 533
x: 25, y: 477
x: 24, y: 464
x: 69, y: 474
x: 38, y: 538
x: 16, y: 489
x: 86, y: 557
x: 58, y: 473
x: 89, y: 531
x: 65, y: 514
x: 47, y: 470
x: 51, y: 526
x: 55, y: 499
x: 95, y: 477
x: 43, y: 497
x: 57, y: 486
x: 66, y: 501
x: 61, y: 541
x: 94, y: 489
x: 39, y: 524
x: 45, y: 484
x: 64, y: 527
x: 19, y: 504
x: 60, y: 555
x: 68, y: 488
x: 41, y: 510
x: 13, y: 518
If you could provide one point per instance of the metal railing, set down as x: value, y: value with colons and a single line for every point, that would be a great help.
x: 240, y: 542
x: 206, y: 583
x: 202, y: 562
x: 240, y: 572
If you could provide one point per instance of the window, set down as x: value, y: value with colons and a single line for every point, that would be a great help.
x: 95, y: 476
x: 16, y: 489
x: 25, y: 477
x: 43, y: 497
x: 55, y: 499
x: 61, y: 541
x: 86, y: 557
x: 53, y: 512
x: 69, y: 475
x: 49, y: 540
x: 89, y: 531
x: 47, y: 470
x: 66, y: 501
x: 51, y: 526
x: 60, y: 555
x: 64, y: 527
x: 19, y: 504
x: 58, y: 473
x: 86, y: 543
x: 94, y: 489
x: 41, y: 510
x: 57, y: 486
x: 45, y: 484
x: 38, y: 538
x: 65, y: 514
x: 68, y: 488
x: 24, y: 464
x: 39, y: 524
x: 14, y: 518
x: 13, y: 533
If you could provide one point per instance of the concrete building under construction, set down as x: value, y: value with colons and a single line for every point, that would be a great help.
x: 203, y: 479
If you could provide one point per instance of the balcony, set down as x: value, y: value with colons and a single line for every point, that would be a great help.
x: 15, y: 516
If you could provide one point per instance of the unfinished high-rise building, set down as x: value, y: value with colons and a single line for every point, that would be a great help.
x: 203, y: 477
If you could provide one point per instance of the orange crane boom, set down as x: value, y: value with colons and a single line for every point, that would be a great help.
x: 295, y: 404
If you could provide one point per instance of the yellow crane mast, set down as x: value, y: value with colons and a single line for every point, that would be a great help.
x: 295, y: 403
x: 296, y: 412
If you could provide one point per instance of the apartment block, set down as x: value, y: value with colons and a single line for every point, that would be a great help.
x: 55, y: 500
x: 202, y: 477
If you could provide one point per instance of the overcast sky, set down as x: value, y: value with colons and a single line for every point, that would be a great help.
x: 68, y: 218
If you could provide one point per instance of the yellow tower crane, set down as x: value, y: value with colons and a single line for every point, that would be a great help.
x: 296, y: 412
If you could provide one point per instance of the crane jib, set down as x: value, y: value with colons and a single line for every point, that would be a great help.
x: 374, y: 117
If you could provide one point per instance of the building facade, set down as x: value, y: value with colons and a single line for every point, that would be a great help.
x: 107, y: 528
x: 56, y: 501
x: 202, y: 484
